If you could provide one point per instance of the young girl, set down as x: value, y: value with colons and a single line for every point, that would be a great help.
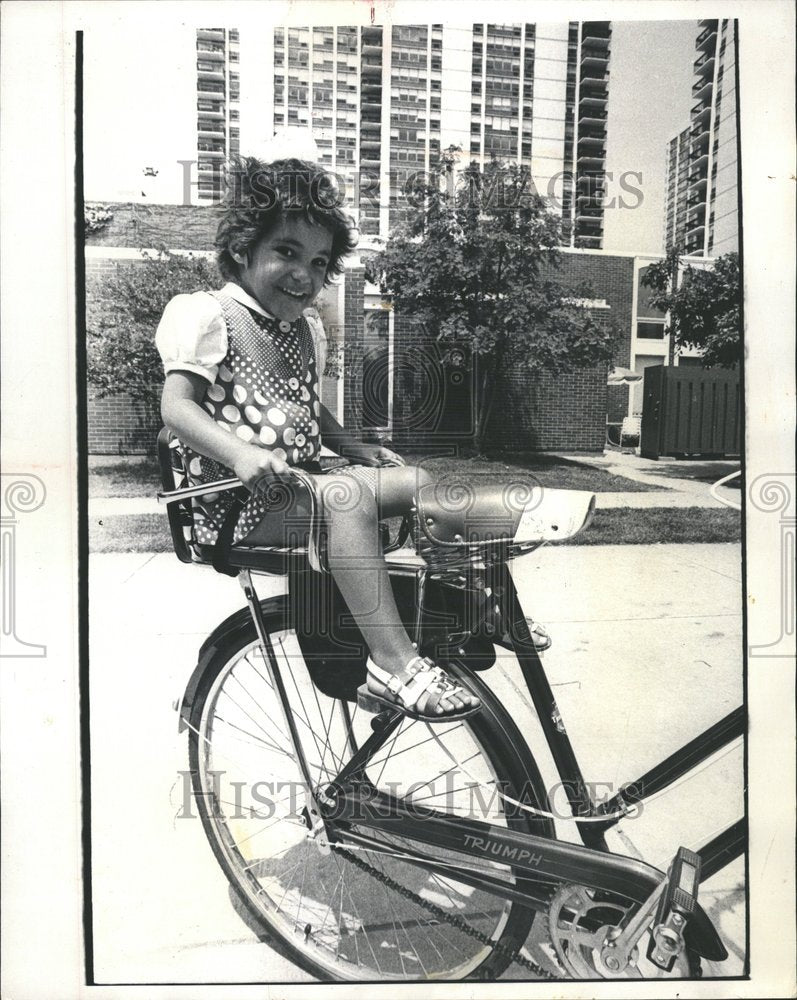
x: 241, y: 394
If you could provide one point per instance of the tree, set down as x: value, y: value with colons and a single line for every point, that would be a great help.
x: 474, y: 264
x: 122, y: 316
x: 703, y: 305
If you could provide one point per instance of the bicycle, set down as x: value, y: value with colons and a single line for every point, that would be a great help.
x: 371, y: 847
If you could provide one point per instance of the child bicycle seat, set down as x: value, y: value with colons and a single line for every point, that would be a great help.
x: 517, y: 514
x: 308, y: 553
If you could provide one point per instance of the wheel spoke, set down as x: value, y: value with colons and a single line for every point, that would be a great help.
x: 345, y: 919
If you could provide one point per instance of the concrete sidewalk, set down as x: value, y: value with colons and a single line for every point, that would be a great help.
x: 682, y: 490
x: 647, y: 653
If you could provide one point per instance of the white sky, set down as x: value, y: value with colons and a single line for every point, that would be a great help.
x: 650, y: 96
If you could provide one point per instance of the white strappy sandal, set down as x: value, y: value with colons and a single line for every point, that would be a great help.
x: 406, y: 689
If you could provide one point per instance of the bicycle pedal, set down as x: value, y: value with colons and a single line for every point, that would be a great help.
x: 368, y: 703
x: 677, y: 904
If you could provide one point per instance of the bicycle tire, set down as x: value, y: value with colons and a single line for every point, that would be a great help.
x: 335, y: 952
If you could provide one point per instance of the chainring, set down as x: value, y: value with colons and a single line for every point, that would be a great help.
x: 580, y: 921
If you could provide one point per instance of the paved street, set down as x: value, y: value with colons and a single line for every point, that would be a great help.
x: 647, y: 652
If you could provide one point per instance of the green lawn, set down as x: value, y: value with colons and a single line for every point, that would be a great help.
x: 548, y: 470
x: 657, y: 525
x: 131, y: 479
x: 130, y: 533
x: 661, y: 525
x: 141, y: 479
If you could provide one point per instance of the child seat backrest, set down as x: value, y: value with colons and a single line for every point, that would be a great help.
x: 174, y: 476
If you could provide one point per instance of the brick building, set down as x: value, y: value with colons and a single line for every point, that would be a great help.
x: 383, y: 378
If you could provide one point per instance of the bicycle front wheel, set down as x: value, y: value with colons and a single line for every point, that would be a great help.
x: 354, y: 912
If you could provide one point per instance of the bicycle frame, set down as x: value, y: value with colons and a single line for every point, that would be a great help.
x: 541, y: 862
x: 544, y: 861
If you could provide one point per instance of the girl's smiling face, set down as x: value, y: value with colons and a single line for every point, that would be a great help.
x: 285, y: 271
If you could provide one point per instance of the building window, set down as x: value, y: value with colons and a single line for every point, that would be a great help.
x: 650, y: 330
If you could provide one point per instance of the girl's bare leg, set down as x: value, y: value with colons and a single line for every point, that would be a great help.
x: 355, y: 559
x: 358, y: 567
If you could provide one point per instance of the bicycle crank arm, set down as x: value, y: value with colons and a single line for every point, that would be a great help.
x: 546, y: 860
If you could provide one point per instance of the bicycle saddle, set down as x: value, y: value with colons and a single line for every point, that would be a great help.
x: 451, y: 514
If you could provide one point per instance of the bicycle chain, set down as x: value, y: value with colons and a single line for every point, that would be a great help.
x: 511, y: 953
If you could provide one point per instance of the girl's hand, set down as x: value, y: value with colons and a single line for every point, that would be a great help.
x: 256, y: 464
x: 372, y: 454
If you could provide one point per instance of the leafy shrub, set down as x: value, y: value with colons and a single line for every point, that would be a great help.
x: 95, y: 218
x: 123, y: 310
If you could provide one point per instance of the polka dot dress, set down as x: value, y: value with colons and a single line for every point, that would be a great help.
x: 266, y: 393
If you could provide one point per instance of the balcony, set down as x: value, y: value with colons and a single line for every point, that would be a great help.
x: 701, y: 89
x: 591, y: 206
x: 209, y: 51
x: 695, y: 199
x: 596, y: 33
x: 705, y: 65
x: 594, y: 71
x: 698, y: 158
x: 700, y: 111
x: 590, y: 158
x: 591, y: 100
x: 210, y: 74
x: 591, y: 115
x: 209, y: 90
x: 697, y: 176
x: 592, y: 216
x: 696, y: 217
x: 210, y: 34
x: 594, y: 55
x: 706, y: 36
x: 592, y: 136
x: 698, y: 132
x: 593, y: 85
x: 206, y: 130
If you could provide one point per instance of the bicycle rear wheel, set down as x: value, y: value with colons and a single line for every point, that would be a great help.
x: 354, y: 913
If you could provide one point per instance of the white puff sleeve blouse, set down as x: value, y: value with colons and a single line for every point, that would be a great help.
x: 192, y: 335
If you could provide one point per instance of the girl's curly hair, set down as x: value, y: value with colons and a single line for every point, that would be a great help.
x: 260, y: 194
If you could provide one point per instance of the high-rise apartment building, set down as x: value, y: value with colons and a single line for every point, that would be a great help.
x: 218, y: 96
x: 678, y: 164
x: 711, y: 226
x: 382, y: 101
